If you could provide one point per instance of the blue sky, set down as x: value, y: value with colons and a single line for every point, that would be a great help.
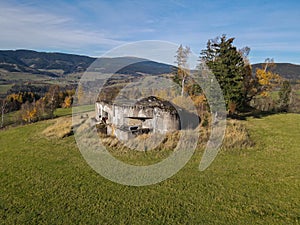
x: 270, y: 28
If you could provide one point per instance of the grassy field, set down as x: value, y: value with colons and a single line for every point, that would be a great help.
x: 68, y: 111
x: 4, y: 88
x: 19, y: 78
x: 13, y: 118
x: 46, y: 181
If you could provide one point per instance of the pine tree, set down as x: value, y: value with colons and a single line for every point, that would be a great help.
x: 228, y: 66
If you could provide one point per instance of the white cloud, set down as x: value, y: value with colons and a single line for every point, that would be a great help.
x: 95, y: 26
x: 24, y: 27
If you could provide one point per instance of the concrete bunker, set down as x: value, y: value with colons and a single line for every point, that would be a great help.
x: 127, y: 119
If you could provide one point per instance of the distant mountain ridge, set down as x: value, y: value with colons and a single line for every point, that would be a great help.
x: 60, y: 64
x: 42, y: 62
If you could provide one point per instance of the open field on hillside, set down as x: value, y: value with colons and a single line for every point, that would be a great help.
x: 13, y: 118
x: 47, y: 181
x: 4, y: 88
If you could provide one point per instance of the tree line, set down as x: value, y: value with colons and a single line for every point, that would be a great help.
x: 32, y: 107
x: 242, y: 87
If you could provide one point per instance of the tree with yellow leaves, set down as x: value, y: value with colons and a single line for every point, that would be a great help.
x: 28, y: 112
x: 267, y: 79
x: 67, y: 102
x: 52, y: 99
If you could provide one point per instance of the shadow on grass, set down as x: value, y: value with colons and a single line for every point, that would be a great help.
x: 255, y: 113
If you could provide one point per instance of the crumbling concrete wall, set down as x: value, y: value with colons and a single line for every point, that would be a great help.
x: 158, y: 119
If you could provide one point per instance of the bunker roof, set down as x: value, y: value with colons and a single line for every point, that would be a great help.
x: 148, y: 102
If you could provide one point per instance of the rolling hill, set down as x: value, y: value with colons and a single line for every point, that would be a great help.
x: 30, y: 68
x: 52, y: 64
x: 286, y: 70
x: 45, y: 180
x: 60, y: 64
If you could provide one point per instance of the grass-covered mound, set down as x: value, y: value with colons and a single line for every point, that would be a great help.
x: 46, y: 181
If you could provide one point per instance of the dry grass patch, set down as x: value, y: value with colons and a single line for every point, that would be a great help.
x: 236, y: 136
x: 60, y: 129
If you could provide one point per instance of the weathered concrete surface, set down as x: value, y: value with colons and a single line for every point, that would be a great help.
x: 157, y: 115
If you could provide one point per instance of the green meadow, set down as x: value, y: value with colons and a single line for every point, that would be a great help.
x: 47, y: 181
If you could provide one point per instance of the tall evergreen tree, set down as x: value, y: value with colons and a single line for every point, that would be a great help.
x: 228, y: 66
